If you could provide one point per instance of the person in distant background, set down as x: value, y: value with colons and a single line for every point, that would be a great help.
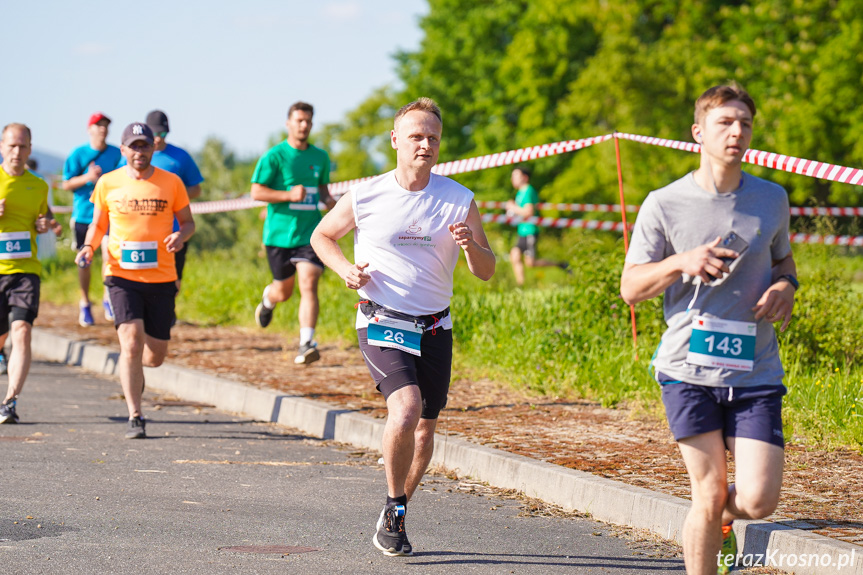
x: 524, y: 205
x: 292, y: 177
x: 81, y: 171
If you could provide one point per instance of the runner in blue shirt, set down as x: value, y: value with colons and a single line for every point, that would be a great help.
x: 82, y: 169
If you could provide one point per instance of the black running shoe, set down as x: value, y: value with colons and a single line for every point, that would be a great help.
x: 135, y: 429
x: 390, y: 534
x: 7, y: 412
x: 263, y: 315
x: 308, y: 353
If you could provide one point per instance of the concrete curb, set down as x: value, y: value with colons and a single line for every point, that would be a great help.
x: 604, y: 499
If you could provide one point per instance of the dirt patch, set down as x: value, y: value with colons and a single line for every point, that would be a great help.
x: 821, y: 489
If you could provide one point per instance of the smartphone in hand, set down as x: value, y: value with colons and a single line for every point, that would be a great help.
x: 734, y: 242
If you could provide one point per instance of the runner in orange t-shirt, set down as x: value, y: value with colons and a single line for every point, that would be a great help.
x: 139, y: 202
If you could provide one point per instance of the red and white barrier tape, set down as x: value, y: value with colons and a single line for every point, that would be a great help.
x: 772, y: 160
x: 555, y: 222
x: 493, y: 160
x: 562, y: 207
x: 618, y: 226
x: 244, y: 203
x: 826, y: 240
x: 795, y: 211
x: 768, y: 159
x: 826, y: 211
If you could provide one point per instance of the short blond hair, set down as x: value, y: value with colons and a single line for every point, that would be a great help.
x: 16, y: 125
x: 421, y: 104
x: 719, y: 96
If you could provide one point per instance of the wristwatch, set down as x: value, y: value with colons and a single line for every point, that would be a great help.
x: 790, y: 279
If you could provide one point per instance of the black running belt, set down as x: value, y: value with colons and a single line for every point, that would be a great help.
x: 370, y: 308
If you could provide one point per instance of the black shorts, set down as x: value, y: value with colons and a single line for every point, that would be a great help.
x: 393, y: 369
x: 527, y: 245
x: 750, y: 412
x: 283, y: 261
x: 80, y: 234
x: 180, y: 260
x: 20, y: 297
x: 153, y: 303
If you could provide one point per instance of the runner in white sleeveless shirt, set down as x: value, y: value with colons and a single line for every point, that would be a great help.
x: 409, y: 226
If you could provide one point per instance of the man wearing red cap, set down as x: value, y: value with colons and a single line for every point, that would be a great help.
x: 82, y: 169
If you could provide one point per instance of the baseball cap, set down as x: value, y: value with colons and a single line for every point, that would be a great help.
x: 137, y: 132
x: 158, y: 121
x: 98, y: 117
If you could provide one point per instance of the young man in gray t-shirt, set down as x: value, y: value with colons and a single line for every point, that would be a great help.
x: 716, y: 244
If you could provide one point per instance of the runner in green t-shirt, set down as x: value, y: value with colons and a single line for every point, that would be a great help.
x: 524, y: 206
x: 292, y: 177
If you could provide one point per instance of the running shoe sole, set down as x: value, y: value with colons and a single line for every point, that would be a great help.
x: 136, y: 432
x: 263, y: 316
x: 310, y: 356
x: 389, y: 552
x: 84, y: 321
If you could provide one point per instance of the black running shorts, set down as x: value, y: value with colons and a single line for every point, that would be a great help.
x: 153, y: 303
x: 527, y: 245
x: 19, y: 295
x: 180, y: 260
x: 393, y: 369
x: 283, y: 261
x: 80, y: 234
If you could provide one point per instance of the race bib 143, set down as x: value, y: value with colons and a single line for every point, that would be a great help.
x: 722, y: 343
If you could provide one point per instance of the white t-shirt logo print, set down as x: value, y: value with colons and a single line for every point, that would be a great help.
x: 414, y: 228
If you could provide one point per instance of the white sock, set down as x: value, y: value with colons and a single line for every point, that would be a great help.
x: 306, y: 334
x: 266, y: 300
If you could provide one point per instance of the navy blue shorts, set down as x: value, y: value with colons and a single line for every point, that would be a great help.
x: 750, y: 412
x: 393, y: 369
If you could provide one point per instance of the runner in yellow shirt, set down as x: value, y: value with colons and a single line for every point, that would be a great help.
x: 23, y: 213
x: 139, y: 202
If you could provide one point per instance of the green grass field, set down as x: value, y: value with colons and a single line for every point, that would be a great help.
x: 562, y: 335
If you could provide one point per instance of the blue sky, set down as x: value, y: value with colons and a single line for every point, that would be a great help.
x: 228, y: 69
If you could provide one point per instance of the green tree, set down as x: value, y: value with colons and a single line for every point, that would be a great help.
x: 511, y: 74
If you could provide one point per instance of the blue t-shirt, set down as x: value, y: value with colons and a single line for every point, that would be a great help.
x: 177, y: 161
x: 76, y: 165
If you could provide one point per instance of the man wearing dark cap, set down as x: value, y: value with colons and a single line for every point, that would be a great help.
x: 139, y: 201
x: 292, y: 178
x: 177, y: 161
x: 82, y: 169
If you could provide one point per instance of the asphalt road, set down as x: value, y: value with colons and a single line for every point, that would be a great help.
x: 209, y: 492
